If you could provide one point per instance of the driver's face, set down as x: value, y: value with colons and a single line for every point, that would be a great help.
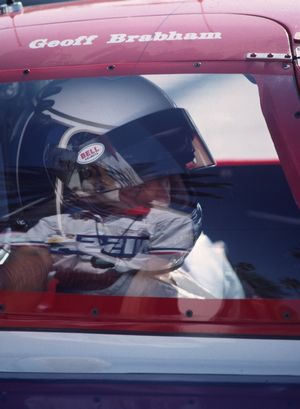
x: 156, y: 191
x: 95, y: 179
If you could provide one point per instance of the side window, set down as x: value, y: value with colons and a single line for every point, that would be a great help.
x: 148, y: 186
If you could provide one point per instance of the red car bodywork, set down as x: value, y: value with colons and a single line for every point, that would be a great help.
x: 86, y: 41
x: 142, y: 37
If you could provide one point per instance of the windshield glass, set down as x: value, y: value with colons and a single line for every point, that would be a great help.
x: 144, y: 186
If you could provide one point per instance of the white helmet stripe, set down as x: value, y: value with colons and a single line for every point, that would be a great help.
x: 73, y: 121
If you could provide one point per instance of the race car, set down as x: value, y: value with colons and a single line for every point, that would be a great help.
x: 149, y: 212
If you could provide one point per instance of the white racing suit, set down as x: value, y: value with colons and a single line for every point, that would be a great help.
x: 157, y: 255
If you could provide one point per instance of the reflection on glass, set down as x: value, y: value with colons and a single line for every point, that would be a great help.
x: 109, y: 188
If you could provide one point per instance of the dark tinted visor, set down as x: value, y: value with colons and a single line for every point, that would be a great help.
x: 162, y: 143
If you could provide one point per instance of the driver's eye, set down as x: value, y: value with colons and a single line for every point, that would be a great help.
x: 86, y: 173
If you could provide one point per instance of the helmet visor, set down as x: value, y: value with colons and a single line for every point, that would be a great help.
x: 163, y: 143
x: 157, y: 145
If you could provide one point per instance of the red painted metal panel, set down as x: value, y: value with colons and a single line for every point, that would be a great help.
x: 238, y: 35
x: 144, y: 39
x: 142, y: 68
x: 280, y: 105
x: 284, y: 12
x: 5, y: 22
x: 93, y: 9
x: 173, y: 46
x: 257, y: 317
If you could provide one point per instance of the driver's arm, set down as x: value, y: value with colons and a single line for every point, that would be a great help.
x: 26, y: 269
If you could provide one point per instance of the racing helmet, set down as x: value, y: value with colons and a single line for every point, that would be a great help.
x: 96, y: 136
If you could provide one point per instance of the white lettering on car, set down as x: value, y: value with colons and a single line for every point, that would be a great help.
x: 125, y: 38
x: 45, y: 42
x: 159, y: 36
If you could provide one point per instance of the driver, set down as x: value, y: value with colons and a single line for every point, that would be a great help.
x: 120, y: 157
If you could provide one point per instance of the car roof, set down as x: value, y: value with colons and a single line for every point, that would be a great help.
x: 285, y: 13
x: 134, y: 31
